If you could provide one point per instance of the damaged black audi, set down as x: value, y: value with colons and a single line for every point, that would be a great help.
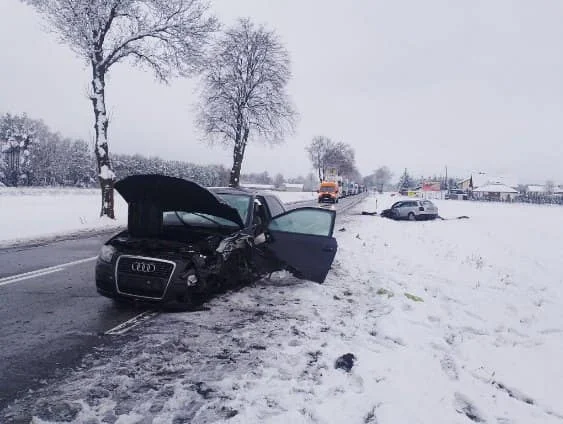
x: 184, y: 242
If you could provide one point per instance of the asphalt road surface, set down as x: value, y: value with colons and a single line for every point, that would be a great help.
x: 51, y: 314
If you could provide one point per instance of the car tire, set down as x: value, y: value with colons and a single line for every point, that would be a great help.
x: 411, y: 216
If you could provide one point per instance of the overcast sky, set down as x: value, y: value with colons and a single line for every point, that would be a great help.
x: 416, y: 84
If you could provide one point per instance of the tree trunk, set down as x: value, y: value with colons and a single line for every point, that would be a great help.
x: 105, y: 173
x: 238, y: 156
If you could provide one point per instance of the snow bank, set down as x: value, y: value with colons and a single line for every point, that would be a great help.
x: 449, y: 321
x: 30, y: 214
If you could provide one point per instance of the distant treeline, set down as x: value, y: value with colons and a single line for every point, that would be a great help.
x: 33, y: 155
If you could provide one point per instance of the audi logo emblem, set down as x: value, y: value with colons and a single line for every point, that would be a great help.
x: 142, y: 267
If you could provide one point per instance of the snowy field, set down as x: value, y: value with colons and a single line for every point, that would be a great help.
x: 295, y: 196
x: 35, y: 214
x: 28, y: 214
x: 454, y: 321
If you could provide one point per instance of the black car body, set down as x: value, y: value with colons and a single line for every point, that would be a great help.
x: 184, y: 242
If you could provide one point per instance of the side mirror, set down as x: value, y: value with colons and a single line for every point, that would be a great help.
x: 421, y: 208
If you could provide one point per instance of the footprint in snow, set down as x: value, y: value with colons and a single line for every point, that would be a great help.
x: 449, y: 367
x: 465, y: 407
x: 434, y: 319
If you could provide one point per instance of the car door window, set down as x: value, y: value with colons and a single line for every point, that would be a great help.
x: 275, y: 206
x: 313, y: 221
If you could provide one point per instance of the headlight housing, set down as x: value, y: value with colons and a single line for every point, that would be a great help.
x: 106, y: 254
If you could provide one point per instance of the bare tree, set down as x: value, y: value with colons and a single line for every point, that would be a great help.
x: 549, y: 186
x: 244, y: 91
x: 325, y: 153
x: 317, y: 151
x: 342, y: 157
x: 167, y: 36
x: 279, y: 180
x: 381, y: 178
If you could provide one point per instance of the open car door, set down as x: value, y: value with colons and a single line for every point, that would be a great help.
x: 300, y: 240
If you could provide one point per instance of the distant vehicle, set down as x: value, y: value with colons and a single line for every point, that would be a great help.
x: 456, y: 194
x: 184, y: 242
x: 329, y: 192
x: 413, y: 210
x: 344, y: 189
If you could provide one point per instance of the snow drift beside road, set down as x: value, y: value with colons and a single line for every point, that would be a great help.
x: 449, y: 322
x: 31, y: 214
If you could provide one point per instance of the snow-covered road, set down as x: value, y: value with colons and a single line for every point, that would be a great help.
x: 449, y: 322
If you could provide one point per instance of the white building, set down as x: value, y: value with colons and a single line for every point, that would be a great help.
x: 292, y: 187
x: 495, y: 192
x: 480, y: 179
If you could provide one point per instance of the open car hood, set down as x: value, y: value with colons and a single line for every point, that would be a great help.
x: 175, y: 194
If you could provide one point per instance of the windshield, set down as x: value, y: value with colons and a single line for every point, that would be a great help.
x: 203, y: 220
x: 327, y: 189
x: 241, y: 202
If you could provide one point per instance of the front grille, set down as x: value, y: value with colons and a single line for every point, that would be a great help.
x: 143, y: 277
x: 127, y: 264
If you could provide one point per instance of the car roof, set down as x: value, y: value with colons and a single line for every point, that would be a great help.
x: 229, y: 190
x: 239, y: 190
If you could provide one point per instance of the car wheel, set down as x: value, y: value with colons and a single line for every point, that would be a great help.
x: 412, y: 217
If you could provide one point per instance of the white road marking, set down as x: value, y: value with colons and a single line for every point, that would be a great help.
x: 124, y: 327
x: 40, y: 272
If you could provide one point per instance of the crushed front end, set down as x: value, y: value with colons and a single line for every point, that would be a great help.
x: 165, y: 271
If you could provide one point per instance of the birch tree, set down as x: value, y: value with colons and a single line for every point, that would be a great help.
x: 166, y: 36
x: 244, y: 92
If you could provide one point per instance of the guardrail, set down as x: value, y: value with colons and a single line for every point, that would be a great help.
x: 356, y: 200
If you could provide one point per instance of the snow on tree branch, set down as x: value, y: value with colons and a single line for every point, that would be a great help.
x: 244, y: 86
x: 167, y: 36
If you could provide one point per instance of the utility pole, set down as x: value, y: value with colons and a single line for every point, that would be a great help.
x: 447, y: 182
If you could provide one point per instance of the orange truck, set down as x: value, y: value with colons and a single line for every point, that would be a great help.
x: 329, y: 192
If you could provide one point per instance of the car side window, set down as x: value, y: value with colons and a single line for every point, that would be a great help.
x: 274, y: 205
x: 313, y: 221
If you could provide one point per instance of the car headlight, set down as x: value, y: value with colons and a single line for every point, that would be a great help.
x: 106, y: 254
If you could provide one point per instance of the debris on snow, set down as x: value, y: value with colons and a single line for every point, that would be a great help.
x: 345, y: 362
x: 385, y: 292
x: 413, y: 297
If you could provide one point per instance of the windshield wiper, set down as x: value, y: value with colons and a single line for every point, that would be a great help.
x: 182, y: 220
